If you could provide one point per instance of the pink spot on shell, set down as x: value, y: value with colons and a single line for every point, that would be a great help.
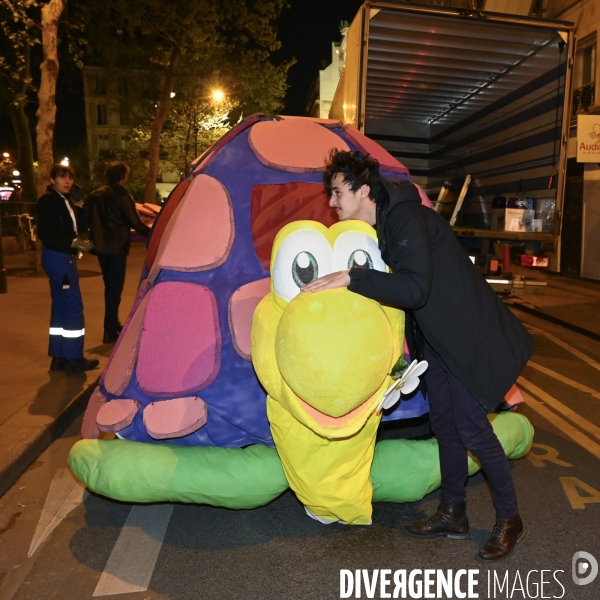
x: 242, y: 305
x: 175, y: 418
x: 294, y: 145
x: 200, y: 233
x: 116, y: 414
x: 425, y: 201
x: 180, y: 347
x: 514, y: 396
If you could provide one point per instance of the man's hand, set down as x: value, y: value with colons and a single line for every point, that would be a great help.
x: 329, y: 282
x: 82, y: 245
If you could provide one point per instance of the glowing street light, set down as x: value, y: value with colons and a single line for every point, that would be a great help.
x: 65, y: 162
x: 6, y: 155
x: 172, y: 94
x: 218, y: 95
x: 16, y: 173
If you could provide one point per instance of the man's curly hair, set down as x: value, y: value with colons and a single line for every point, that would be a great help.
x: 358, y: 169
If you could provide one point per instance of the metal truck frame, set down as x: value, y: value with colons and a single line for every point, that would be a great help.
x: 455, y: 92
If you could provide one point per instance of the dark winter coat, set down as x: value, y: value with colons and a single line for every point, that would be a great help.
x: 54, y: 223
x: 111, y: 215
x: 463, y: 320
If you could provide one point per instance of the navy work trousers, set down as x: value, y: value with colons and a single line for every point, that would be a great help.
x: 460, y: 424
x: 113, y: 267
x: 66, y: 315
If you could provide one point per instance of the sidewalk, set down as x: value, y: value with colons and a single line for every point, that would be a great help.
x: 36, y: 404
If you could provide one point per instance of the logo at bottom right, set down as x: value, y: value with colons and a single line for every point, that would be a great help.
x: 585, y: 568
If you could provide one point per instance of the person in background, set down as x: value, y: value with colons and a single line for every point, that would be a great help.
x: 111, y: 215
x: 57, y: 229
x: 476, y: 348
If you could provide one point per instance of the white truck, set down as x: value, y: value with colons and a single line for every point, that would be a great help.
x: 477, y: 105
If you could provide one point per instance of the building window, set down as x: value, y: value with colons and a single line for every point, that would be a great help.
x: 584, y: 77
x: 100, y: 85
x: 123, y: 86
x: 123, y: 116
x: 102, y: 142
x: 101, y: 115
x: 125, y: 142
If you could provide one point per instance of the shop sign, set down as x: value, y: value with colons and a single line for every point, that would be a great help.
x: 588, y: 138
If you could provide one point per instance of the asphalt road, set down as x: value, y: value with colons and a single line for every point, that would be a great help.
x: 109, y: 549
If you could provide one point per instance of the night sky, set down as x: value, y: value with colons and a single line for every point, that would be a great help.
x: 306, y: 31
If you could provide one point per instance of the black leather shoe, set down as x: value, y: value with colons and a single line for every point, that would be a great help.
x: 110, y: 338
x: 81, y: 364
x: 506, y: 535
x: 58, y: 363
x: 450, y: 520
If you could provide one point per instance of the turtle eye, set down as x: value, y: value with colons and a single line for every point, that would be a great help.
x: 304, y: 269
x: 360, y: 259
x: 303, y: 256
x: 356, y: 249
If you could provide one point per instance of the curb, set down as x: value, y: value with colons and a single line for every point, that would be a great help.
x: 536, y: 313
x: 23, y: 444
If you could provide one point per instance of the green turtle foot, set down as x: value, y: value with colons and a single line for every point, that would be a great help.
x: 408, y: 470
x: 137, y: 472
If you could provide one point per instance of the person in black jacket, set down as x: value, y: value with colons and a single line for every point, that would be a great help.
x: 474, y: 345
x: 57, y: 228
x: 111, y: 214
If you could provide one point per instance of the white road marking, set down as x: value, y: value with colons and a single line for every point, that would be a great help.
x: 560, y: 407
x: 131, y: 563
x: 65, y: 494
x: 585, y: 442
x: 532, y: 328
x: 571, y: 382
x: 559, y: 342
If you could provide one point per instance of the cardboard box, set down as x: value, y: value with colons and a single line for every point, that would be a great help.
x: 512, y: 214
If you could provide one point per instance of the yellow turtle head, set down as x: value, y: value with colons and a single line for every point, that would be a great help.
x: 326, y: 356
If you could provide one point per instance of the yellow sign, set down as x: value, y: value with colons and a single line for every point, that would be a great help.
x: 588, y: 138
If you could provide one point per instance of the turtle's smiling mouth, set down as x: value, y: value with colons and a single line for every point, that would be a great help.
x: 327, y: 421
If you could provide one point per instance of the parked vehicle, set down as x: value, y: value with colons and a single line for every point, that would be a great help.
x: 26, y: 232
x: 476, y: 105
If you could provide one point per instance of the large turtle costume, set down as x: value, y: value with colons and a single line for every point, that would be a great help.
x: 180, y: 389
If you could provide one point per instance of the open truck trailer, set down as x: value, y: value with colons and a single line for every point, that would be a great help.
x: 476, y: 105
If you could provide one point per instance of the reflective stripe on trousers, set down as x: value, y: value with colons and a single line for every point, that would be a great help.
x: 74, y: 333
x: 66, y: 317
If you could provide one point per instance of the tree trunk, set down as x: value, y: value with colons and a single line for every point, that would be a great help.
x: 159, y: 121
x: 46, y: 112
x: 20, y: 124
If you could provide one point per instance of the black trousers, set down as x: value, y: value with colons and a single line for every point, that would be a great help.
x: 113, y: 267
x: 460, y: 424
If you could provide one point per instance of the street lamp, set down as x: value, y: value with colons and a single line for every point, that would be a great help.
x: 65, y: 162
x: 172, y: 94
x: 6, y: 155
x: 218, y: 95
x: 16, y: 173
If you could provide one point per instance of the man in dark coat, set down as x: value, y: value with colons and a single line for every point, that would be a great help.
x: 474, y: 345
x: 111, y: 213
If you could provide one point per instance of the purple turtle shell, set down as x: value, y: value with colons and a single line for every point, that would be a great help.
x: 235, y: 399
